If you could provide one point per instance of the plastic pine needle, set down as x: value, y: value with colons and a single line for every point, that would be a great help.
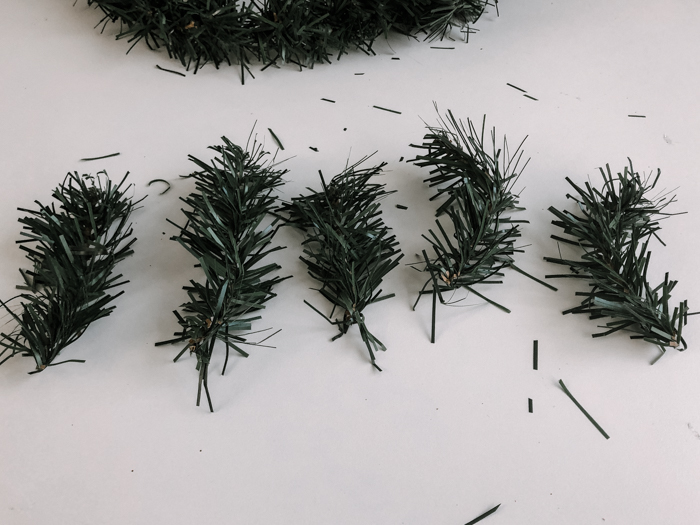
x: 166, y: 190
x: 276, y: 139
x: 386, y: 109
x: 535, y: 354
x: 170, y: 71
x: 88, y: 159
x: 484, y: 515
x: 583, y: 410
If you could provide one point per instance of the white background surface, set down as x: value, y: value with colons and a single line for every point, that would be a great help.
x: 308, y: 432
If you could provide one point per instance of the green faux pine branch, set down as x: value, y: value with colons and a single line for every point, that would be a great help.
x: 613, y: 227
x: 302, y: 32
x: 74, y: 249
x: 477, y: 187
x: 224, y: 232
x: 348, y: 248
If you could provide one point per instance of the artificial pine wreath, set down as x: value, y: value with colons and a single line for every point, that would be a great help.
x: 613, y: 227
x: 348, y: 248
x: 478, y: 187
x: 224, y: 233
x: 74, y: 249
x: 301, y: 32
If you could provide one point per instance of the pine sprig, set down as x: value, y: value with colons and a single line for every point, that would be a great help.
x: 301, y: 32
x: 234, y: 194
x: 348, y: 248
x: 478, y: 191
x: 613, y: 227
x: 74, y: 249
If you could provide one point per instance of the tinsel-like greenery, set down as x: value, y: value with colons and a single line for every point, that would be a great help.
x: 478, y: 191
x: 613, y: 227
x: 301, y: 32
x: 348, y: 248
x: 74, y: 249
x: 224, y: 232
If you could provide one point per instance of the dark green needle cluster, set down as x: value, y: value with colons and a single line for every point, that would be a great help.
x: 224, y: 231
x: 613, y: 226
x: 348, y: 248
x: 301, y: 32
x: 477, y: 188
x: 74, y: 245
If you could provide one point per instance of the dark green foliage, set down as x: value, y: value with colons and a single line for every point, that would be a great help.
x: 477, y: 187
x: 348, y: 248
x: 613, y: 227
x: 73, y: 249
x: 302, y: 32
x: 224, y: 233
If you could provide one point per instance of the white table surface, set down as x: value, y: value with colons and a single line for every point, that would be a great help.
x: 308, y: 432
